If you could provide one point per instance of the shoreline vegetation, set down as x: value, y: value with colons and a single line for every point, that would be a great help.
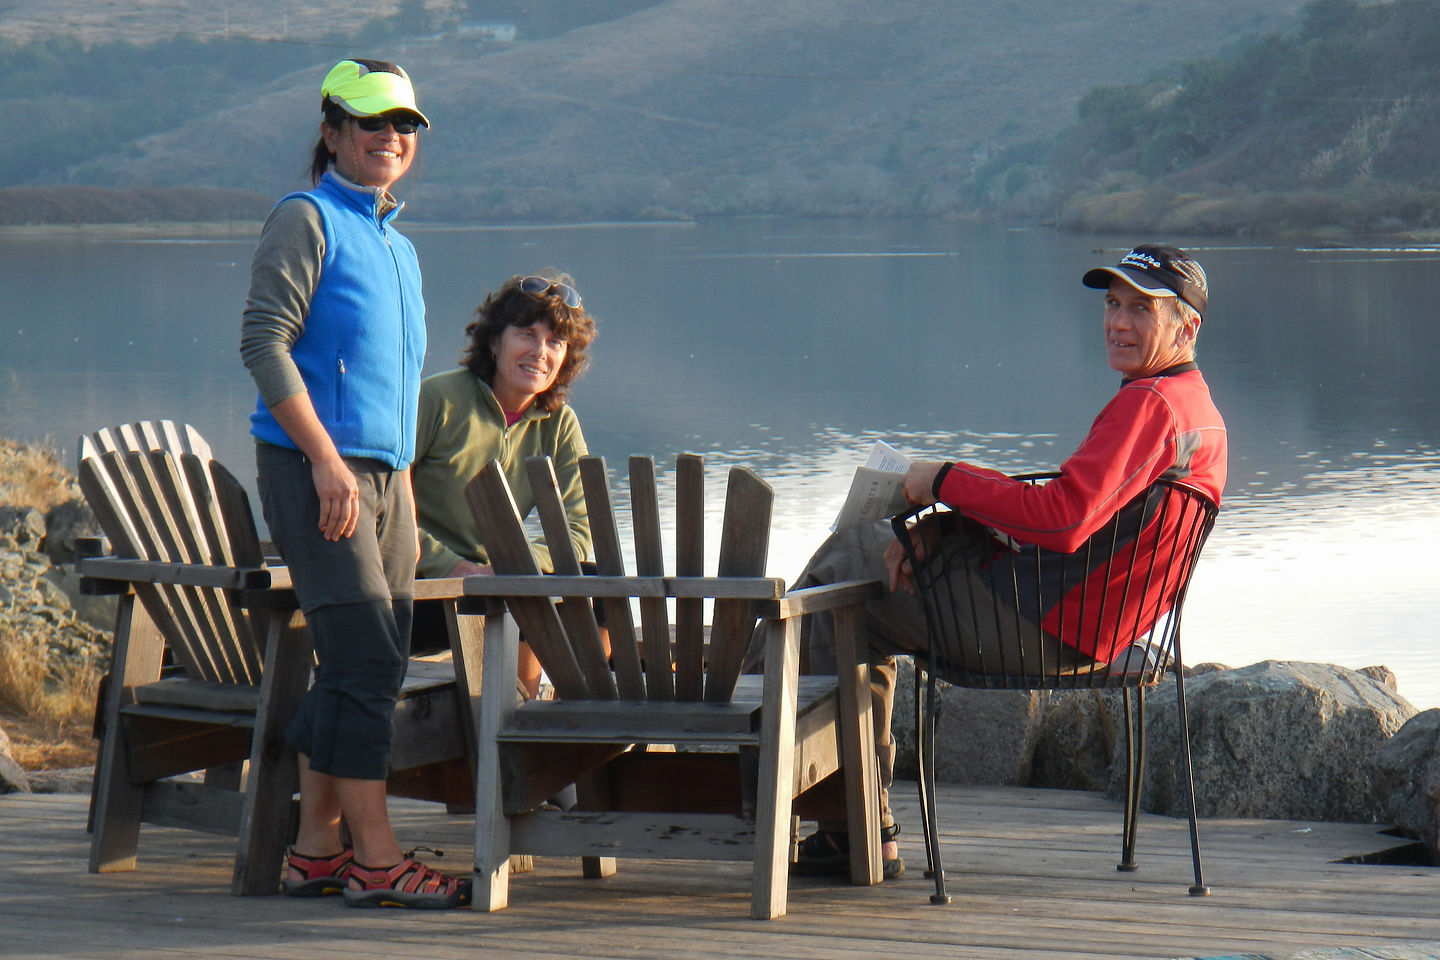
x: 187, y: 213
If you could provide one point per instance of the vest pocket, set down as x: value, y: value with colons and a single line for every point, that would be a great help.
x: 339, y: 385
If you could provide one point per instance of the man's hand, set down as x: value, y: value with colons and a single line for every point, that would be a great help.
x: 898, y: 564
x: 920, y: 481
x: 924, y: 538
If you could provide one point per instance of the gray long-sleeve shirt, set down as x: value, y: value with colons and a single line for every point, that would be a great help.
x: 283, y: 276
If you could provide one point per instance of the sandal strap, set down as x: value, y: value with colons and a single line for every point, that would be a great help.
x: 314, y: 868
x: 407, y: 876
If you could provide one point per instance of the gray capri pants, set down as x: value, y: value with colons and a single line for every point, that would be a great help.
x: 356, y: 594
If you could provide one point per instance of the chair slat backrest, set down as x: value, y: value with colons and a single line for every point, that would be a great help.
x: 1119, y: 597
x: 689, y: 562
x: 744, y: 548
x: 577, y: 613
x: 508, y: 548
x: 159, y: 496
x: 650, y: 562
x: 610, y: 562
x: 566, y: 639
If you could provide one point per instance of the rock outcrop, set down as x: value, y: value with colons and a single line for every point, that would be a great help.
x: 44, y: 621
x: 1408, y: 780
x: 1271, y: 740
x: 1278, y: 739
x: 12, y: 777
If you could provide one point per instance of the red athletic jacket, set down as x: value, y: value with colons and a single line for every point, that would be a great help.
x: 1161, y: 426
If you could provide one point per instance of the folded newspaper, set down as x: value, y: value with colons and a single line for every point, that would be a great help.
x: 878, y: 490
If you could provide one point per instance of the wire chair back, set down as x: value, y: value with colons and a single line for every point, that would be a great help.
x: 1007, y: 616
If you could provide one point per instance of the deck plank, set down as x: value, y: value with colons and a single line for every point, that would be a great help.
x: 1031, y: 872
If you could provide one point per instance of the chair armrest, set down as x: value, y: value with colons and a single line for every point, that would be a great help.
x: 827, y: 596
x: 703, y: 588
x: 122, y: 570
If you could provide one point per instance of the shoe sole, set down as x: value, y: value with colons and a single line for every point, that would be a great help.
x: 318, y: 887
x: 408, y: 901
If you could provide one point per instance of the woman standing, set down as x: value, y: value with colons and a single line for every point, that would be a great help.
x: 334, y: 336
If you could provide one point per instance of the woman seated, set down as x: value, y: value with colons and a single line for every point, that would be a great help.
x: 505, y: 402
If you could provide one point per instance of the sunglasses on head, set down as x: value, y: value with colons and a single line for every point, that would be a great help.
x: 542, y: 287
x: 376, y: 124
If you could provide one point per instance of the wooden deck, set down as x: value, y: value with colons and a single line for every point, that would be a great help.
x: 1031, y: 871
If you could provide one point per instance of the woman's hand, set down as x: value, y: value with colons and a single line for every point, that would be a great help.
x: 468, y: 568
x: 339, y: 497
x: 334, y: 483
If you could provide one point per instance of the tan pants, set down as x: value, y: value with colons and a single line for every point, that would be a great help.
x: 895, y: 624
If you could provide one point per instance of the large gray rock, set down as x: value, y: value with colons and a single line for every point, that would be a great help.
x: 12, y: 776
x: 982, y: 736
x: 1285, y: 740
x: 25, y: 526
x: 64, y: 524
x: 1078, y: 739
x: 1407, y: 778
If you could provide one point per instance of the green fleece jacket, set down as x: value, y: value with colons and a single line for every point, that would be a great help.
x: 461, y: 428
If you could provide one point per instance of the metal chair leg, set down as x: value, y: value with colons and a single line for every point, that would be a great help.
x: 920, y: 778
x: 1134, y: 776
x: 932, y: 831
x: 1199, y: 889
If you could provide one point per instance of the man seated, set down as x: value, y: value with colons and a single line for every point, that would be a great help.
x: 1161, y: 424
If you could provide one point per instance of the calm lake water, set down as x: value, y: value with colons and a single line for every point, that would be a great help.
x: 790, y: 346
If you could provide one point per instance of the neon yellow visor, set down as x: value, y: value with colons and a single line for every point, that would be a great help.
x: 363, y: 92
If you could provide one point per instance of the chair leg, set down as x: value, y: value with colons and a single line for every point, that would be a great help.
x: 117, y: 803
x: 920, y: 778
x: 265, y: 820
x: 932, y: 827
x: 1199, y: 889
x: 857, y: 749
x: 776, y: 788
x: 1134, y: 759
x: 497, y: 707
x: 593, y: 794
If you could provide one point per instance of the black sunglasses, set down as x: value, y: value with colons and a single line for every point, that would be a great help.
x: 376, y: 124
x: 542, y: 287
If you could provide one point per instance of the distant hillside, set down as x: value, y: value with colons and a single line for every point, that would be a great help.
x: 688, y: 107
x: 1336, y: 123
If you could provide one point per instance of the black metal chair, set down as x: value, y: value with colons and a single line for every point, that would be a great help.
x: 974, y: 583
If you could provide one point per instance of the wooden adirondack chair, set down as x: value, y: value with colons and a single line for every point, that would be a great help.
x: 682, y: 798
x: 211, y: 658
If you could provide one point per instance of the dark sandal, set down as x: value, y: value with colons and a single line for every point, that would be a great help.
x: 407, y: 884
x: 824, y: 853
x: 324, y: 876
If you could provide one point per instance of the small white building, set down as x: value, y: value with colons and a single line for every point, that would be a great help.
x: 502, y: 31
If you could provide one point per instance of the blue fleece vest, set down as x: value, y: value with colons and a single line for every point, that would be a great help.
x: 364, y: 339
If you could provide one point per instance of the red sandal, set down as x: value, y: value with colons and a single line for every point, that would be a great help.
x: 409, y: 883
x: 324, y: 876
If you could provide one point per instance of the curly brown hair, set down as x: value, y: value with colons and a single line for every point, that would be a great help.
x: 509, y: 306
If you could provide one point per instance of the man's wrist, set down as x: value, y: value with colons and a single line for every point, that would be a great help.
x: 940, y: 478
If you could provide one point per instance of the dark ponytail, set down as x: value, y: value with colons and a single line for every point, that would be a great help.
x: 321, y: 157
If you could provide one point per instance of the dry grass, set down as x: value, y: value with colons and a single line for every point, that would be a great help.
x: 33, y: 475
x: 47, y: 715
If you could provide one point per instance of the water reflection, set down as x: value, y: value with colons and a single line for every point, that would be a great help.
x: 790, y: 346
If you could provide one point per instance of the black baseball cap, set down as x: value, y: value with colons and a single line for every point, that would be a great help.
x: 1158, y: 270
